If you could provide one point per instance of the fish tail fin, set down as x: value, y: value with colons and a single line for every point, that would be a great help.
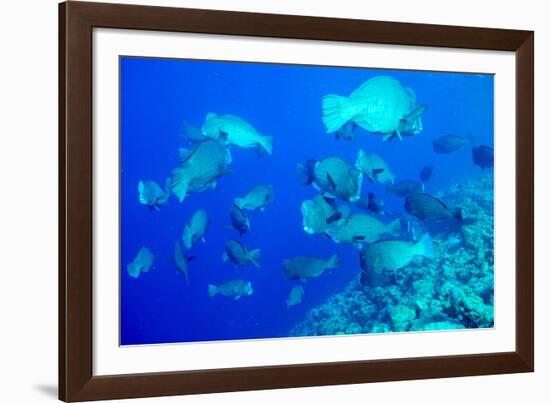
x: 212, y: 290
x: 179, y: 183
x: 425, y: 246
x: 141, y: 190
x: 167, y: 185
x: 267, y: 144
x: 336, y: 112
x: 334, y: 261
x: 186, y: 275
x: 394, y: 227
x: 254, y: 256
x: 239, y: 202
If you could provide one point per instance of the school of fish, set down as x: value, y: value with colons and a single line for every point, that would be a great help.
x: 386, y: 243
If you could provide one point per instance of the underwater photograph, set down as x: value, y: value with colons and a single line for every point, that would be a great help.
x: 262, y: 201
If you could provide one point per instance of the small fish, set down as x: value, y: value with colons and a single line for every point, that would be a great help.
x: 142, y: 263
x: 346, y: 132
x: 334, y: 177
x: 369, y: 202
x: 483, y: 156
x: 196, y: 228
x: 235, y: 130
x: 233, y: 288
x: 449, y: 143
x: 426, y: 173
x: 304, y: 267
x: 199, y: 168
x: 239, y: 220
x: 395, y: 254
x: 152, y: 195
x: 240, y: 255
x: 192, y: 133
x: 405, y: 187
x: 374, y: 167
x: 362, y: 228
x: 295, y: 296
x: 181, y: 259
x: 411, y: 123
x: 426, y: 207
x: 258, y: 198
x: 320, y: 212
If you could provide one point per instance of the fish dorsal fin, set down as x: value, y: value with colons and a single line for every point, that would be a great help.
x: 185, y: 153
x: 331, y: 182
x: 210, y: 116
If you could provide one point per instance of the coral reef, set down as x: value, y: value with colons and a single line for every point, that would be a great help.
x: 453, y: 291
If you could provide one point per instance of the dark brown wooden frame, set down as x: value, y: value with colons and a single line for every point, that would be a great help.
x: 76, y: 22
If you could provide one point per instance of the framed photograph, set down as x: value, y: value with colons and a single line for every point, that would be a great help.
x: 252, y: 201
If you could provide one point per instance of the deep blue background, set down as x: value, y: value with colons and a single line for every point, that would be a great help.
x: 280, y: 101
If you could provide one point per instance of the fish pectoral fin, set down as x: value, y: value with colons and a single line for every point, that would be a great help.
x: 331, y: 182
x: 398, y: 134
x: 387, y: 136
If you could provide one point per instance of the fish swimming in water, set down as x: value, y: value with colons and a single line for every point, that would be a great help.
x: 152, y: 195
x: 181, y: 259
x: 199, y: 168
x: 395, y: 254
x: 483, y: 156
x: 449, y: 143
x: 374, y: 167
x: 304, y: 267
x: 240, y: 255
x: 239, y: 220
x: 233, y: 288
x: 237, y: 131
x: 426, y: 173
x: 258, y: 198
x: 320, y: 212
x: 334, y: 177
x: 192, y: 133
x: 427, y: 207
x: 380, y: 105
x: 346, y: 132
x: 362, y: 228
x: 295, y: 296
x: 142, y: 263
x: 405, y: 187
x: 196, y: 228
x: 369, y: 202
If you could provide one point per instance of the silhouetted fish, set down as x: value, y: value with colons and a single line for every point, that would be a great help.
x: 240, y: 255
x: 426, y: 207
x: 483, y: 156
x: 426, y: 173
x: 239, y: 220
x: 405, y: 187
x: 448, y: 144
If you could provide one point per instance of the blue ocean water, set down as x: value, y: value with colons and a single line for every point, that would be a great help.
x: 283, y: 101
